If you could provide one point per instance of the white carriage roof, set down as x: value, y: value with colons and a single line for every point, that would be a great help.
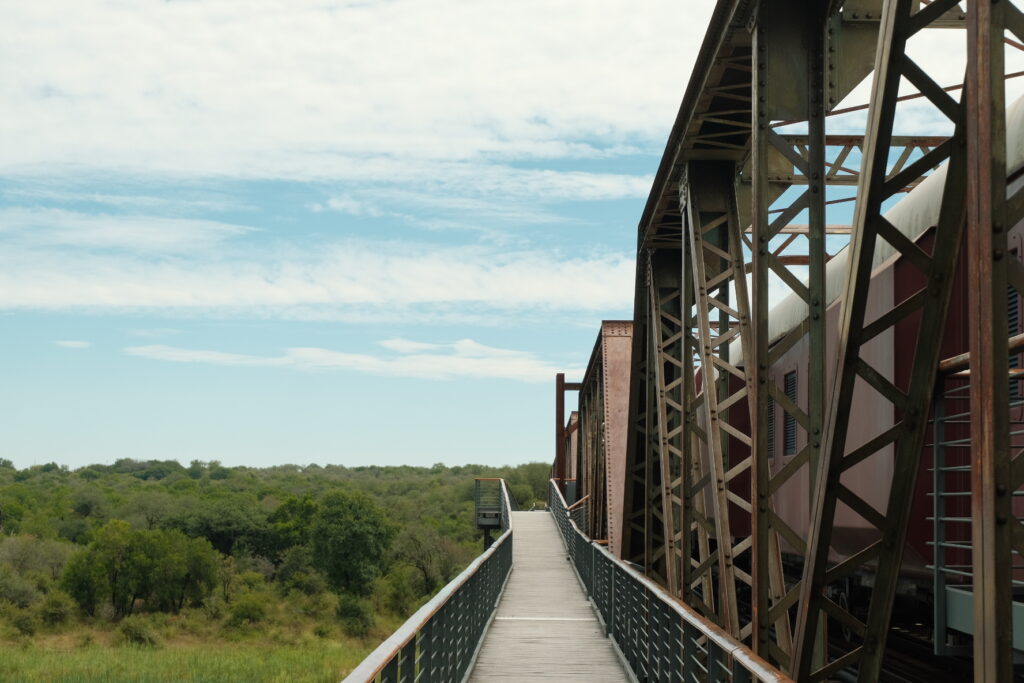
x: 913, y: 216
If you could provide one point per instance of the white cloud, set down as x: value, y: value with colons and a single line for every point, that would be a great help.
x: 310, y: 89
x: 57, y: 227
x: 380, y: 278
x: 73, y: 344
x: 122, y: 201
x: 462, y: 359
x: 407, y: 346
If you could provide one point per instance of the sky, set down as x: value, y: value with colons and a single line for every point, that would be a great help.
x: 352, y: 232
x: 363, y: 232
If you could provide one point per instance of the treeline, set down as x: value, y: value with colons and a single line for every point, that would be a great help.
x: 234, y: 546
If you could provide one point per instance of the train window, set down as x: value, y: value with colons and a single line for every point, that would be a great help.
x: 789, y: 422
x: 771, y: 427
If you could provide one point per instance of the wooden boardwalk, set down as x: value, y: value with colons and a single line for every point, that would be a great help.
x: 545, y: 629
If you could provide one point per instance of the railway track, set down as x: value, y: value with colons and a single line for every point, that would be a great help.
x: 909, y: 659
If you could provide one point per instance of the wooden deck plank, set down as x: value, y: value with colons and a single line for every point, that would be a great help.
x: 545, y: 628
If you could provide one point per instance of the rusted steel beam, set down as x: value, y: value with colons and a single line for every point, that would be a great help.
x: 904, y: 98
x: 666, y: 320
x: 910, y: 403
x: 716, y: 262
x: 836, y: 171
x: 603, y: 423
x: 804, y: 229
x: 962, y: 361
x: 558, y: 470
x: 780, y: 39
x: 720, y: 40
x: 560, y: 467
x: 992, y: 479
x: 698, y: 558
x: 635, y: 498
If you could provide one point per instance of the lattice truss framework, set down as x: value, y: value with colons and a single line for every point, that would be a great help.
x: 739, y: 199
x: 592, y: 470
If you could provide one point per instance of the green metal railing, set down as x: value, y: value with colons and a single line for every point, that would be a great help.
x: 439, y: 642
x: 659, y: 638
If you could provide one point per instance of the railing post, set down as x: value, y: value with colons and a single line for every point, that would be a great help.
x: 407, y: 670
x: 390, y: 672
x: 427, y: 654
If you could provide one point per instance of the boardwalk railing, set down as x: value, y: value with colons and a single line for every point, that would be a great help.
x: 660, y: 638
x: 439, y: 642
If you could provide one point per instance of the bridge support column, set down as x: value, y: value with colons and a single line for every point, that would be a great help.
x: 927, y: 308
x: 992, y: 273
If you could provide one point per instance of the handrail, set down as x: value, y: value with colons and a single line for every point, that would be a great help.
x: 720, y: 644
x: 407, y: 655
x: 579, y: 502
x: 963, y: 361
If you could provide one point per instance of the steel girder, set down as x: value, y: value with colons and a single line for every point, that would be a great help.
x: 837, y: 172
x: 602, y: 432
x: 593, y: 470
x: 697, y: 557
x: 899, y: 22
x: 997, y: 470
x: 634, y: 494
x: 775, y: 35
x: 725, y: 108
x: 716, y: 266
x: 666, y: 356
x: 643, y: 541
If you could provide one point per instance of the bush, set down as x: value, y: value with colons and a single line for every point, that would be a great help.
x: 24, y: 622
x: 214, y: 607
x: 136, y: 630
x: 312, y: 583
x: 250, y: 608
x: 56, y: 608
x: 17, y: 590
x: 396, y: 591
x: 251, y: 579
x: 355, y: 616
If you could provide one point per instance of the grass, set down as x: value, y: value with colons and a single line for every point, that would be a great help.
x: 213, y: 663
x: 86, y: 656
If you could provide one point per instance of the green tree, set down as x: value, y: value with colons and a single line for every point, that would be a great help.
x: 183, y: 569
x: 83, y: 581
x: 290, y: 524
x: 419, y: 546
x: 350, y: 541
x: 116, y: 556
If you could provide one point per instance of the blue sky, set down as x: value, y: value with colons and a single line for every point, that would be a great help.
x: 328, y: 231
x: 314, y: 231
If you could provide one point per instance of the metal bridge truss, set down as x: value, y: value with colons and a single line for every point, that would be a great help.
x: 600, y: 448
x: 702, y: 486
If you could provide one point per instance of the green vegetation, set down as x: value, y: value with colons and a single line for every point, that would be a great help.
x: 156, y: 571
